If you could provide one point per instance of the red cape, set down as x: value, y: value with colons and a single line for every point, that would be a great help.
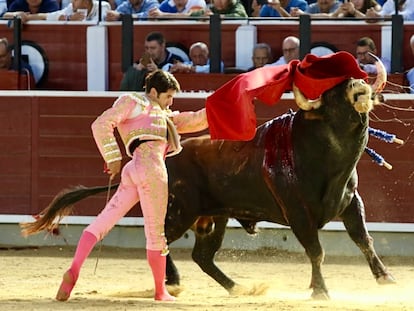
x: 230, y: 109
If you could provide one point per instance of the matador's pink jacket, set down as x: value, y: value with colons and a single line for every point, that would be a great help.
x: 138, y: 118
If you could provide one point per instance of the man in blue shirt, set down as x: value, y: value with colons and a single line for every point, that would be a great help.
x: 281, y: 8
x: 321, y: 8
x: 28, y: 8
x: 3, y: 7
x: 137, y: 8
x: 173, y: 8
x: 410, y: 73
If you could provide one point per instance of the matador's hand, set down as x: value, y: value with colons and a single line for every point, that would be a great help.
x: 113, y: 168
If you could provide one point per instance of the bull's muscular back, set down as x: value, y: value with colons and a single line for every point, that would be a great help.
x: 299, y: 163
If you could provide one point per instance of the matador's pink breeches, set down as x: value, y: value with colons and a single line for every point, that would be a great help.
x: 143, y: 179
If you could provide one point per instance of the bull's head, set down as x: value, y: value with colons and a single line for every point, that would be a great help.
x: 359, y: 93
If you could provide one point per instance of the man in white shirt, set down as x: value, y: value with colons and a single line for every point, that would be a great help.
x: 290, y: 48
x: 405, y: 9
x: 77, y: 10
x: 200, y: 62
x: 80, y: 10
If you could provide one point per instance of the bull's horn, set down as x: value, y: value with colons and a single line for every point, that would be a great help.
x: 381, y: 79
x: 303, y: 102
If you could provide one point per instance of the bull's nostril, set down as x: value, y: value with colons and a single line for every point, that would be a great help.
x: 356, y: 95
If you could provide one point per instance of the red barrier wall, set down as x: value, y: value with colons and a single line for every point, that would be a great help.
x: 47, y: 146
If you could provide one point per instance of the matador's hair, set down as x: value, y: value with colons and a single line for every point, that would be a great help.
x: 162, y: 81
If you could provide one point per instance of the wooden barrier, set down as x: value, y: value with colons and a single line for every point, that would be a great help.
x: 12, y: 80
x: 48, y: 146
x: 65, y: 48
x: 396, y: 83
x: 201, y: 82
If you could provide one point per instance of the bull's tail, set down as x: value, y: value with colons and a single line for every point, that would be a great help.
x: 61, y: 206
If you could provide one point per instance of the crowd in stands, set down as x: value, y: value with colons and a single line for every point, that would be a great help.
x: 112, y: 10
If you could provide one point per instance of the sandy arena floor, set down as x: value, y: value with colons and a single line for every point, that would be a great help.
x: 29, y: 279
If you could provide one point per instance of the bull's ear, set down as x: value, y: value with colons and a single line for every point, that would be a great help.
x: 303, y: 102
x: 381, y: 79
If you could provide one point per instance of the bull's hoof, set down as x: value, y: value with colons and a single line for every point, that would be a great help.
x: 238, y: 290
x: 320, y: 295
x: 174, y: 290
x: 386, y: 279
x: 172, y: 281
x: 255, y: 290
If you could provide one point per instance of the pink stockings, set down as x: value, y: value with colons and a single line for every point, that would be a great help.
x: 157, y: 263
x: 144, y: 179
x: 85, y: 246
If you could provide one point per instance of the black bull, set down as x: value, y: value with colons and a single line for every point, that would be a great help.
x: 299, y: 171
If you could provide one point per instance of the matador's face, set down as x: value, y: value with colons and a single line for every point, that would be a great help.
x: 165, y: 99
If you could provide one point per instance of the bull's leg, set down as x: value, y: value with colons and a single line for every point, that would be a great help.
x: 308, y: 237
x: 173, y: 233
x: 354, y: 221
x: 171, y: 272
x: 204, y: 250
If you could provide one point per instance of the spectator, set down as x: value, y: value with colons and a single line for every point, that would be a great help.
x: 77, y: 10
x: 116, y: 3
x: 200, y: 62
x: 27, y: 9
x: 179, y: 8
x: 227, y: 8
x: 261, y: 55
x: 365, y: 61
x: 3, y: 7
x: 6, y: 59
x: 356, y: 8
x: 410, y: 73
x: 139, y: 9
x: 156, y: 56
x: 281, y: 8
x: 112, y: 4
x: 290, y: 48
x: 405, y: 9
x: 321, y: 8
x: 254, y: 9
